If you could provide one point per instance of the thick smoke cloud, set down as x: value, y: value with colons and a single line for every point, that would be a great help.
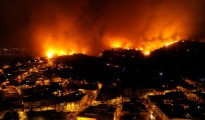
x: 92, y: 25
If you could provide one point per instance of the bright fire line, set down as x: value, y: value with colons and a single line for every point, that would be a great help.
x: 54, y: 53
x: 117, y: 44
x: 145, y: 50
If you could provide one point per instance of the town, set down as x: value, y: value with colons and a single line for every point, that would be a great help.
x: 118, y: 85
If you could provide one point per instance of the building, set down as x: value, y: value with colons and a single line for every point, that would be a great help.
x: 100, y: 112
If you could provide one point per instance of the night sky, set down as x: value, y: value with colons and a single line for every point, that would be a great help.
x: 92, y: 25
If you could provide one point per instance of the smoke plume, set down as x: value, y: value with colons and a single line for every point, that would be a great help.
x: 91, y: 26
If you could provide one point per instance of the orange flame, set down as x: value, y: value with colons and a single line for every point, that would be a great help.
x: 55, y: 52
x: 120, y: 43
x: 167, y: 44
x: 50, y: 53
x: 116, y: 43
x: 146, y: 50
x: 146, y: 53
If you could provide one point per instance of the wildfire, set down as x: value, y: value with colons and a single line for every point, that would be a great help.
x: 120, y: 43
x: 146, y: 52
x: 54, y: 52
x: 147, y: 49
x: 170, y: 43
x: 50, y: 53
x: 116, y: 44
